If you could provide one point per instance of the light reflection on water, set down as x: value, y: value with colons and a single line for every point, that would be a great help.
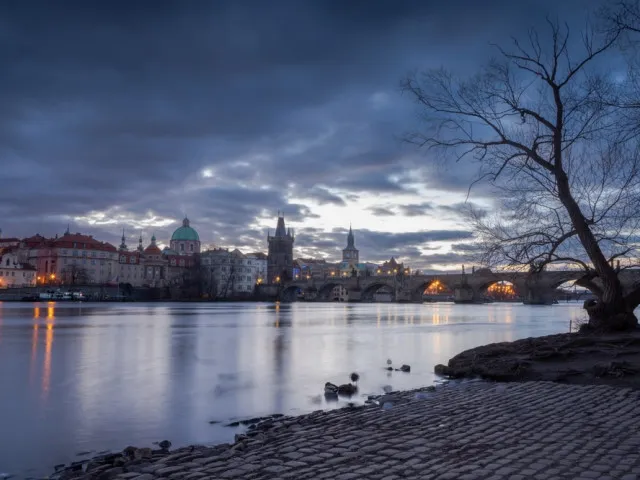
x: 89, y: 377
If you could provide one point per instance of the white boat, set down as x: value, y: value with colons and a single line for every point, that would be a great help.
x: 60, y: 296
x: 48, y: 295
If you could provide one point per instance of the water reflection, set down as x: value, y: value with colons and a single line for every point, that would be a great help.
x: 48, y: 347
x: 102, y: 376
x: 34, y: 351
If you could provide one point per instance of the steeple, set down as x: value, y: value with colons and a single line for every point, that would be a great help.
x: 351, y: 242
x: 140, y: 247
x: 281, y: 231
x: 67, y: 231
x: 153, y: 238
x: 350, y: 253
x: 185, y: 222
x: 123, y: 245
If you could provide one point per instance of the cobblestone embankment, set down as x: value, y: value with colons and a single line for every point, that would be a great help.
x: 473, y: 430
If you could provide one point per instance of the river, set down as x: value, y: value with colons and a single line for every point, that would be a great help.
x: 78, y: 379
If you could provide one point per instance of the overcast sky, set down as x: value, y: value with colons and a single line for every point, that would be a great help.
x: 132, y: 114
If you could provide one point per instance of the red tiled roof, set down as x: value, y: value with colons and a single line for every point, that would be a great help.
x: 82, y: 242
x: 36, y: 240
x: 152, y: 250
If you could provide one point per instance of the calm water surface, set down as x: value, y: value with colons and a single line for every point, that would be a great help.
x: 90, y: 377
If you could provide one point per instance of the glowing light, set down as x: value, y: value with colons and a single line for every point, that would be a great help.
x: 502, y: 290
x: 436, y: 287
x: 34, y: 350
x: 48, y: 345
x: 207, y: 173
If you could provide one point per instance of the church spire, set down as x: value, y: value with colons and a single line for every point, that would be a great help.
x: 351, y: 243
x: 123, y: 245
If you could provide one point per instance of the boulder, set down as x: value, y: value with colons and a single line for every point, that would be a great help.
x: 330, y: 388
x: 347, y: 389
x: 164, y: 444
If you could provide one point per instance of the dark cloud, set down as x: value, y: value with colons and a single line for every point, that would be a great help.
x: 381, y: 212
x: 465, y: 247
x: 443, y: 259
x: 458, y: 211
x: 322, y: 196
x: 226, y: 111
x: 416, y: 210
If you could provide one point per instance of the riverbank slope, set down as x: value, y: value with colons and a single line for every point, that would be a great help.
x: 470, y: 430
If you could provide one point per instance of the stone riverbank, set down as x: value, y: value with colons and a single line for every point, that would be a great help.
x: 587, y: 359
x: 470, y: 430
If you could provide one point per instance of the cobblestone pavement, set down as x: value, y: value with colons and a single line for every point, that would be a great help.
x: 474, y: 430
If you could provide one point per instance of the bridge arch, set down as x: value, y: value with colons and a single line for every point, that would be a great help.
x: 433, y: 286
x: 370, y: 290
x: 501, y: 291
x: 568, y: 280
x: 325, y: 290
x: 290, y: 293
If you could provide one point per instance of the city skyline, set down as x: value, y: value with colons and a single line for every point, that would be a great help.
x: 229, y: 113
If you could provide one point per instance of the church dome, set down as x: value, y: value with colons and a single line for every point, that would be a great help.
x: 185, y: 233
x: 152, y: 249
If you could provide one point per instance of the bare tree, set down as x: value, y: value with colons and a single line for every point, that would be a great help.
x: 544, y: 124
x: 623, y: 18
x: 229, y: 282
x: 75, y: 275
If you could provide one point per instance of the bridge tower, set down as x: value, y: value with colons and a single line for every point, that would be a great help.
x: 280, y: 256
x: 351, y: 255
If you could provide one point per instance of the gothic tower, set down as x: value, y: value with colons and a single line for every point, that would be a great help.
x: 351, y: 255
x: 123, y: 245
x: 280, y: 256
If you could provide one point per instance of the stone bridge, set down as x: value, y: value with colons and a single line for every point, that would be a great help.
x: 535, y: 289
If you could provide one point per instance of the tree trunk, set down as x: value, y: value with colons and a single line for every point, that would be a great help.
x: 612, y: 311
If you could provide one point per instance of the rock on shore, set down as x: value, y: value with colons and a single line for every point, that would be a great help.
x: 568, y: 358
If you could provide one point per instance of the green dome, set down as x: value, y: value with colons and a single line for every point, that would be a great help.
x: 185, y: 232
